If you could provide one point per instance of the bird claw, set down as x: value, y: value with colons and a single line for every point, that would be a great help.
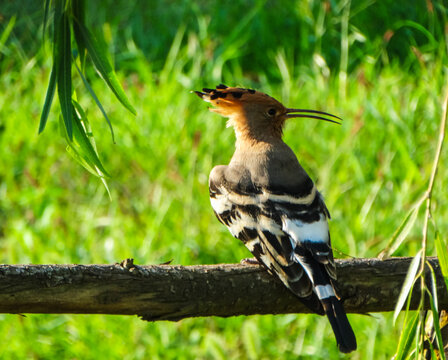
x: 250, y: 261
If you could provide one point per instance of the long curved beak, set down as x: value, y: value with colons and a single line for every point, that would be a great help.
x: 311, y: 114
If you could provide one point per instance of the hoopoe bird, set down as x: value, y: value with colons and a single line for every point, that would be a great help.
x: 268, y: 201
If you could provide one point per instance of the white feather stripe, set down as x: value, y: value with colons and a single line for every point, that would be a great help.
x: 273, y: 265
x: 300, y: 231
x: 220, y: 204
x: 324, y: 291
x: 251, y: 244
x: 280, y: 258
x: 245, y: 220
x: 266, y: 223
x: 242, y: 221
x: 266, y: 260
x: 305, y: 267
x: 258, y: 199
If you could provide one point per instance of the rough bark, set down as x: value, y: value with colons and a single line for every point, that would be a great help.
x: 165, y: 292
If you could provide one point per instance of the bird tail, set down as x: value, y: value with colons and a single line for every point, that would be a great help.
x: 345, y: 337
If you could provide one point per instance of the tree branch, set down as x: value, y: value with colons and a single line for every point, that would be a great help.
x: 165, y: 292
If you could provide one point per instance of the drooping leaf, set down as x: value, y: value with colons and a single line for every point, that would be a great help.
x: 403, y: 230
x: 48, y: 100
x: 84, y: 137
x: 63, y: 61
x: 49, y: 96
x: 407, y: 336
x: 46, y: 12
x: 98, y: 54
x: 97, y: 101
x: 79, y: 11
x: 408, y: 284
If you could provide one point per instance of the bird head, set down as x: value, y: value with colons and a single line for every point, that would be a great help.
x: 254, y: 114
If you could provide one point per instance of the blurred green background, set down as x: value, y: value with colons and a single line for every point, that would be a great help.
x: 380, y: 65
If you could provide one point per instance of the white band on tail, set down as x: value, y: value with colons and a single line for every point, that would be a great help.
x: 324, y: 291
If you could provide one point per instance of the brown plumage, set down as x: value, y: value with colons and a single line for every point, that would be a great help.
x: 268, y: 201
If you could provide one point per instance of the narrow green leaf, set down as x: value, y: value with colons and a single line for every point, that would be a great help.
x: 408, y: 284
x: 433, y: 353
x: 99, y: 57
x: 46, y: 12
x: 173, y: 53
x: 64, y: 68
x: 407, y: 336
x: 403, y: 230
x: 48, y: 100
x: 103, y: 180
x: 84, y: 137
x: 98, y: 103
x: 442, y: 254
x: 78, y: 152
x: 79, y: 11
x: 412, y: 24
x: 81, y: 160
x: 58, y: 7
x: 6, y: 32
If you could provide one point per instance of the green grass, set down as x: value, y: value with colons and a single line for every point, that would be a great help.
x: 370, y: 170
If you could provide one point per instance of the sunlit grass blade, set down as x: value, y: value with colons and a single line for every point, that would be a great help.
x: 408, y: 284
x: 173, y: 54
x: 442, y: 254
x: 407, y: 336
x: 79, y: 11
x: 97, y: 101
x: 48, y: 100
x: 6, y: 32
x: 403, y: 230
x: 250, y: 340
x: 64, y: 67
x: 99, y: 57
x: 412, y: 24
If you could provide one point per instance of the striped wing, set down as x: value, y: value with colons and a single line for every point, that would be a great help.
x: 282, y: 232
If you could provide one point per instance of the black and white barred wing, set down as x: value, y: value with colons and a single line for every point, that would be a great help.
x: 307, y: 227
x: 274, y: 228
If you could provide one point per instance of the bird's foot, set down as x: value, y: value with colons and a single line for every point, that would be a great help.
x: 250, y: 261
x: 129, y: 265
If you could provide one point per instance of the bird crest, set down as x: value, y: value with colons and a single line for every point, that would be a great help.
x: 232, y: 94
x: 228, y: 100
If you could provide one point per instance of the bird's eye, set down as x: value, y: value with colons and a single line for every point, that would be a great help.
x: 272, y: 111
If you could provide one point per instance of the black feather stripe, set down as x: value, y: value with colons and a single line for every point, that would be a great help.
x: 252, y: 210
x: 301, y: 189
x: 345, y: 337
x: 273, y: 242
x: 301, y: 286
x: 226, y: 217
x: 258, y: 252
x: 247, y: 234
x: 285, y: 241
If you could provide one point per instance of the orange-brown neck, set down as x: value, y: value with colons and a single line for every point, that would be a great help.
x: 252, y: 128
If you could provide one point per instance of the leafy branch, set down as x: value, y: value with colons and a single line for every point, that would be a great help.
x: 69, y: 29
